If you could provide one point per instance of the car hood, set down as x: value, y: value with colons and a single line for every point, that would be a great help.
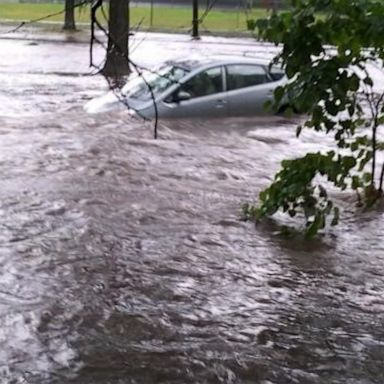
x: 113, y: 101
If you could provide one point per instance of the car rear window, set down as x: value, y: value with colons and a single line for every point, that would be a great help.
x: 245, y: 75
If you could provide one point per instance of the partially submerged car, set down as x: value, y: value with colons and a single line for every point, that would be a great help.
x: 218, y: 86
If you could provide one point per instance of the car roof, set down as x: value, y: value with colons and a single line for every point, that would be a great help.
x: 196, y: 62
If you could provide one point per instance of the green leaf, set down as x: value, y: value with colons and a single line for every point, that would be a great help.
x: 331, y: 108
x: 354, y: 83
x: 323, y: 191
x: 298, y: 130
x: 314, y: 226
x: 268, y: 105
x: 364, y: 161
x: 356, y: 182
x: 367, y: 177
x: 348, y: 162
x: 251, y: 24
x: 292, y: 212
x: 351, y: 110
x: 336, y: 216
x: 279, y: 93
x: 354, y: 146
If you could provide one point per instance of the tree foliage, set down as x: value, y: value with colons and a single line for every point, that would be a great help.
x: 328, y: 47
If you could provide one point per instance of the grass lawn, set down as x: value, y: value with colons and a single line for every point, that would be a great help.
x: 173, y: 18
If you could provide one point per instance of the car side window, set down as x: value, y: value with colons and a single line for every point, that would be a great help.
x: 245, y: 75
x: 204, y: 83
x: 276, y: 73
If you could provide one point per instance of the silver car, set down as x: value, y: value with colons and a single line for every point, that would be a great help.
x: 219, y: 86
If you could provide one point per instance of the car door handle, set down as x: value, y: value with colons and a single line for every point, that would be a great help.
x: 220, y: 103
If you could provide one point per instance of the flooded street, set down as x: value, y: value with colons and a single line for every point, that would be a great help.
x: 123, y: 259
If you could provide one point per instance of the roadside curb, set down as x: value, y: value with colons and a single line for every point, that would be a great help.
x: 52, y: 31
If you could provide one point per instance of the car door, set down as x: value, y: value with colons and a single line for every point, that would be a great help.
x: 202, y: 95
x: 248, y: 88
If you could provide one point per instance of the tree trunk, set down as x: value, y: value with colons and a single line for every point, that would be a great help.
x: 117, y: 63
x: 69, y: 18
x: 195, y: 19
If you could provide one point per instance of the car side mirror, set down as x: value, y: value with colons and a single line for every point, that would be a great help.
x: 181, y: 96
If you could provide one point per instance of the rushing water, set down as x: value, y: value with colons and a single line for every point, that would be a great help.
x: 123, y: 259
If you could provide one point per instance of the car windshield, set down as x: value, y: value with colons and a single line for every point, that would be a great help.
x: 139, y: 88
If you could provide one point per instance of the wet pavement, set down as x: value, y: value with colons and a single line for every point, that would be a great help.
x: 123, y: 259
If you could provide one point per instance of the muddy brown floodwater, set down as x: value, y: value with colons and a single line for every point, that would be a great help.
x: 123, y: 259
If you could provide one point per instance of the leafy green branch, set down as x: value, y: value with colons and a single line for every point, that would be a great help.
x: 328, y: 48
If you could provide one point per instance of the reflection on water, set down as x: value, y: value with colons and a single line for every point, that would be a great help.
x: 123, y: 259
